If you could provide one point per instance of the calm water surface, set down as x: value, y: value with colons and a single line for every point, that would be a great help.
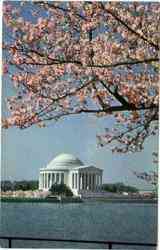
x: 87, y: 221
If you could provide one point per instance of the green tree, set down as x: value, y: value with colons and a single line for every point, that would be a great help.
x: 151, y: 176
x: 119, y: 188
x: 25, y: 185
x: 6, y: 185
x: 58, y: 189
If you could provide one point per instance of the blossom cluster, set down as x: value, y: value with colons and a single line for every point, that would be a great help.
x: 73, y: 57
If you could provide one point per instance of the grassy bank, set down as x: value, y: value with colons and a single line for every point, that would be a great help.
x: 78, y: 200
x: 50, y: 200
x: 122, y: 200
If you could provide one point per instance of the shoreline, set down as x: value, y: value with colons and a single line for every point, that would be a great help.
x: 40, y: 200
x: 77, y: 200
x: 123, y: 200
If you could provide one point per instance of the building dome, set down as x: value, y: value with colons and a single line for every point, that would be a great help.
x: 64, y: 161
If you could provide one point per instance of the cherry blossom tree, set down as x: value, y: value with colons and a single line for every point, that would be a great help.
x: 69, y: 58
x: 150, y: 177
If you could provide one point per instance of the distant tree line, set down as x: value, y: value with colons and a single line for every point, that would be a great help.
x: 57, y: 189
x: 119, y: 188
x: 19, y: 185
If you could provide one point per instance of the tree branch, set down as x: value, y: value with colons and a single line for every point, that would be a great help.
x: 130, y: 28
x: 115, y: 94
x: 61, y: 98
x: 51, y: 5
x: 55, y: 61
x: 90, y: 111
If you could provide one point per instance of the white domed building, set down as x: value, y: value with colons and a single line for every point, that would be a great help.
x: 69, y: 170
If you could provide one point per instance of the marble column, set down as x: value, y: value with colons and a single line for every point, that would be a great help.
x: 51, y: 182
x: 82, y: 181
x: 51, y: 179
x: 62, y: 178
x: 93, y: 182
x: 54, y: 178
x: 40, y: 181
x: 74, y: 180
x: 101, y: 179
x: 97, y: 181
x: 47, y: 180
x: 85, y: 186
x: 81, y: 187
x: 78, y: 181
x: 43, y: 181
x: 59, y: 178
x: 89, y: 181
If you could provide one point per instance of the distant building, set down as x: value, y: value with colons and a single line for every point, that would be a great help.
x: 125, y: 193
x: 69, y: 170
x: 146, y: 193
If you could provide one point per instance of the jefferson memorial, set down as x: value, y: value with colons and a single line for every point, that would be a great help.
x: 69, y: 170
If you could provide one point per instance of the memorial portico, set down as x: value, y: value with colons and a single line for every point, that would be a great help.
x: 88, y: 178
x: 69, y: 170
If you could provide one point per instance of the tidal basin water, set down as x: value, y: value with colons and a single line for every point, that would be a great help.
x: 82, y: 221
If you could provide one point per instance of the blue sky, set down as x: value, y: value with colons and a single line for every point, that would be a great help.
x: 25, y: 151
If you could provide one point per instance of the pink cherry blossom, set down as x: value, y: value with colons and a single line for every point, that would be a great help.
x: 99, y: 58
